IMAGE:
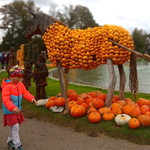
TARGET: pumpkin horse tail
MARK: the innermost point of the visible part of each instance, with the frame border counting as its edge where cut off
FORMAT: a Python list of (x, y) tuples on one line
[(133, 78)]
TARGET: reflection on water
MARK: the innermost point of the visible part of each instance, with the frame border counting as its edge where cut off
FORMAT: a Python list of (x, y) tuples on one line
[(99, 76)]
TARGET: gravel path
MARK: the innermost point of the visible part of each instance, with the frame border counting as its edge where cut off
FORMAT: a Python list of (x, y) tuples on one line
[(36, 135)]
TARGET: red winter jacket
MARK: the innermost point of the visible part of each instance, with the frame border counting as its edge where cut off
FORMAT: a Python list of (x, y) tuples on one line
[(12, 95)]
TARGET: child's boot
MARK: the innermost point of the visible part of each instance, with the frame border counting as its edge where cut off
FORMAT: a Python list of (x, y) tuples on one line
[(11, 145), (20, 148)]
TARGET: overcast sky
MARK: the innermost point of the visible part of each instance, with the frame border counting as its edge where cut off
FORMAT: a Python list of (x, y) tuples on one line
[(129, 14)]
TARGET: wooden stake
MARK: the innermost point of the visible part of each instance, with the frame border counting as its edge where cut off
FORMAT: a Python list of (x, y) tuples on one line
[(144, 56)]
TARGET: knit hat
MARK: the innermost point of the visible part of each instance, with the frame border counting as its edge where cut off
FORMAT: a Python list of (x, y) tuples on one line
[(16, 71)]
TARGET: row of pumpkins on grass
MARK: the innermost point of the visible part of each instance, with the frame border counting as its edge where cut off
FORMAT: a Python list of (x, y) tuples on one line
[(92, 104)]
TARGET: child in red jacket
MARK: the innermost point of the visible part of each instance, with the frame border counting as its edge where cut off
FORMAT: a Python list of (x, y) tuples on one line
[(12, 93)]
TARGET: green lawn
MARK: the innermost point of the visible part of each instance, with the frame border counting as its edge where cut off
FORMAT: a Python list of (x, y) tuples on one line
[(140, 135)]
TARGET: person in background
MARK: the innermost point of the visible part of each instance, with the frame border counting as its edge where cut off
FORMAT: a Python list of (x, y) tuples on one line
[(27, 75), (3, 60), (13, 90), (40, 77), (11, 59)]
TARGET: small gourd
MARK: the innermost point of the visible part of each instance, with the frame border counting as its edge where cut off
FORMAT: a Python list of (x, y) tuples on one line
[(41, 102), (122, 119)]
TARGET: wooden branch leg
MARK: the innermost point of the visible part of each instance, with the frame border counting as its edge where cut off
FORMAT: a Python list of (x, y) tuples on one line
[(133, 77), (66, 90), (63, 82), (122, 82), (112, 83)]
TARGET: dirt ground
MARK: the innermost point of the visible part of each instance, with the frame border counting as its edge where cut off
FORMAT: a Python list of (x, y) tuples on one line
[(36, 135)]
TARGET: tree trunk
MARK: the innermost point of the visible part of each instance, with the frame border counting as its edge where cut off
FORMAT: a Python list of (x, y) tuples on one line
[(122, 82), (62, 75), (112, 83)]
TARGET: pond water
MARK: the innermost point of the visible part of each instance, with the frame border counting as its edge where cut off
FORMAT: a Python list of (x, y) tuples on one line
[(99, 77)]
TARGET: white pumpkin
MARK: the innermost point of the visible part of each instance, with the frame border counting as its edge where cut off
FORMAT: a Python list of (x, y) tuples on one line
[(41, 102), (122, 119)]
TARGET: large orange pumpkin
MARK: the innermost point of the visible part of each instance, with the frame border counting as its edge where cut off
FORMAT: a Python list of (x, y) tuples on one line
[(88, 100), (144, 120), (52, 98), (104, 110), (121, 102), (84, 95), (94, 117), (147, 113), (73, 96), (144, 108), (108, 116), (135, 112), (142, 101), (134, 123), (91, 109), (116, 111), (127, 109), (95, 94), (85, 105), (60, 101), (116, 98), (116, 106), (97, 103), (102, 96), (50, 103), (127, 100), (77, 111), (80, 100), (69, 91), (71, 103)]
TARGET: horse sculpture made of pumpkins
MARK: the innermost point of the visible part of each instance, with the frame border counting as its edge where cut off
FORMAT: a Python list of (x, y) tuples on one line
[(84, 49)]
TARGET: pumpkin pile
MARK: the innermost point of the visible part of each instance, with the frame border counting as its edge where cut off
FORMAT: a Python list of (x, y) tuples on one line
[(92, 105), (86, 49)]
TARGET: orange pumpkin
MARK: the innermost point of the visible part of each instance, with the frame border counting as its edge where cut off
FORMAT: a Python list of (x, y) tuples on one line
[(102, 96), (97, 103), (60, 101), (50, 103), (147, 113), (144, 109), (135, 112), (116, 106), (127, 109), (94, 117), (77, 111), (144, 120), (80, 100), (84, 95), (121, 102), (128, 100), (71, 103), (88, 100), (115, 98), (142, 101), (52, 98), (116, 111), (134, 123), (95, 94), (69, 91), (108, 116), (104, 110), (85, 105), (91, 109), (73, 96)]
